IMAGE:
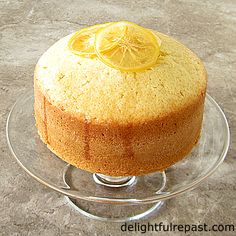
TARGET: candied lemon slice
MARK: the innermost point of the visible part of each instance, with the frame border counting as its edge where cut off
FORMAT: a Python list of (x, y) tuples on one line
[(127, 46), (82, 42)]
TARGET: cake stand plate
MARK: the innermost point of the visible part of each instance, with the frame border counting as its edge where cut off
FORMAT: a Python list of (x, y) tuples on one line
[(108, 198)]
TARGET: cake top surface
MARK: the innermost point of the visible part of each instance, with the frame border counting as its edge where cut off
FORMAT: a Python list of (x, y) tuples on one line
[(88, 87)]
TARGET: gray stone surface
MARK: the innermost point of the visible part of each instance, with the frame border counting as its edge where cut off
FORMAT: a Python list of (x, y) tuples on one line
[(29, 27)]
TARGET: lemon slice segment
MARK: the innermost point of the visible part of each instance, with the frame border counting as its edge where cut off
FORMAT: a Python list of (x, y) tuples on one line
[(127, 46), (82, 42)]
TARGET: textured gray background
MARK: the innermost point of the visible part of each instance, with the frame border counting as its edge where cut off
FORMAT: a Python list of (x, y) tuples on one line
[(28, 28)]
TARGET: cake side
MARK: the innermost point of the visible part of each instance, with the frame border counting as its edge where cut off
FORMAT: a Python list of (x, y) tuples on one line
[(119, 149)]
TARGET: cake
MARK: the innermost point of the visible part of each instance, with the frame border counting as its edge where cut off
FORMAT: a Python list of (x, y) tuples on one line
[(118, 123)]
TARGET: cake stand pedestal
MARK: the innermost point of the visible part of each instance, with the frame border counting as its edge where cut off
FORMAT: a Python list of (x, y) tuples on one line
[(108, 198)]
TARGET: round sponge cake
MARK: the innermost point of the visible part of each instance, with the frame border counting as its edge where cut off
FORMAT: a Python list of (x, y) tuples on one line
[(120, 123)]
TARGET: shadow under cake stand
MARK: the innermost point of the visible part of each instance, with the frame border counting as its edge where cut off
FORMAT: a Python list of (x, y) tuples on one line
[(108, 198)]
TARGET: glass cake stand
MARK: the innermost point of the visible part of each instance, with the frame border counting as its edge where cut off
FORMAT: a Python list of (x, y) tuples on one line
[(116, 199)]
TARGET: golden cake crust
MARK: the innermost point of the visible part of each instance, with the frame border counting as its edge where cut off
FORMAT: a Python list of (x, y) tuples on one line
[(124, 143), (114, 149)]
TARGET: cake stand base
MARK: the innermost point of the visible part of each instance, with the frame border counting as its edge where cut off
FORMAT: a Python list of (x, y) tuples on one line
[(109, 212), (106, 212)]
